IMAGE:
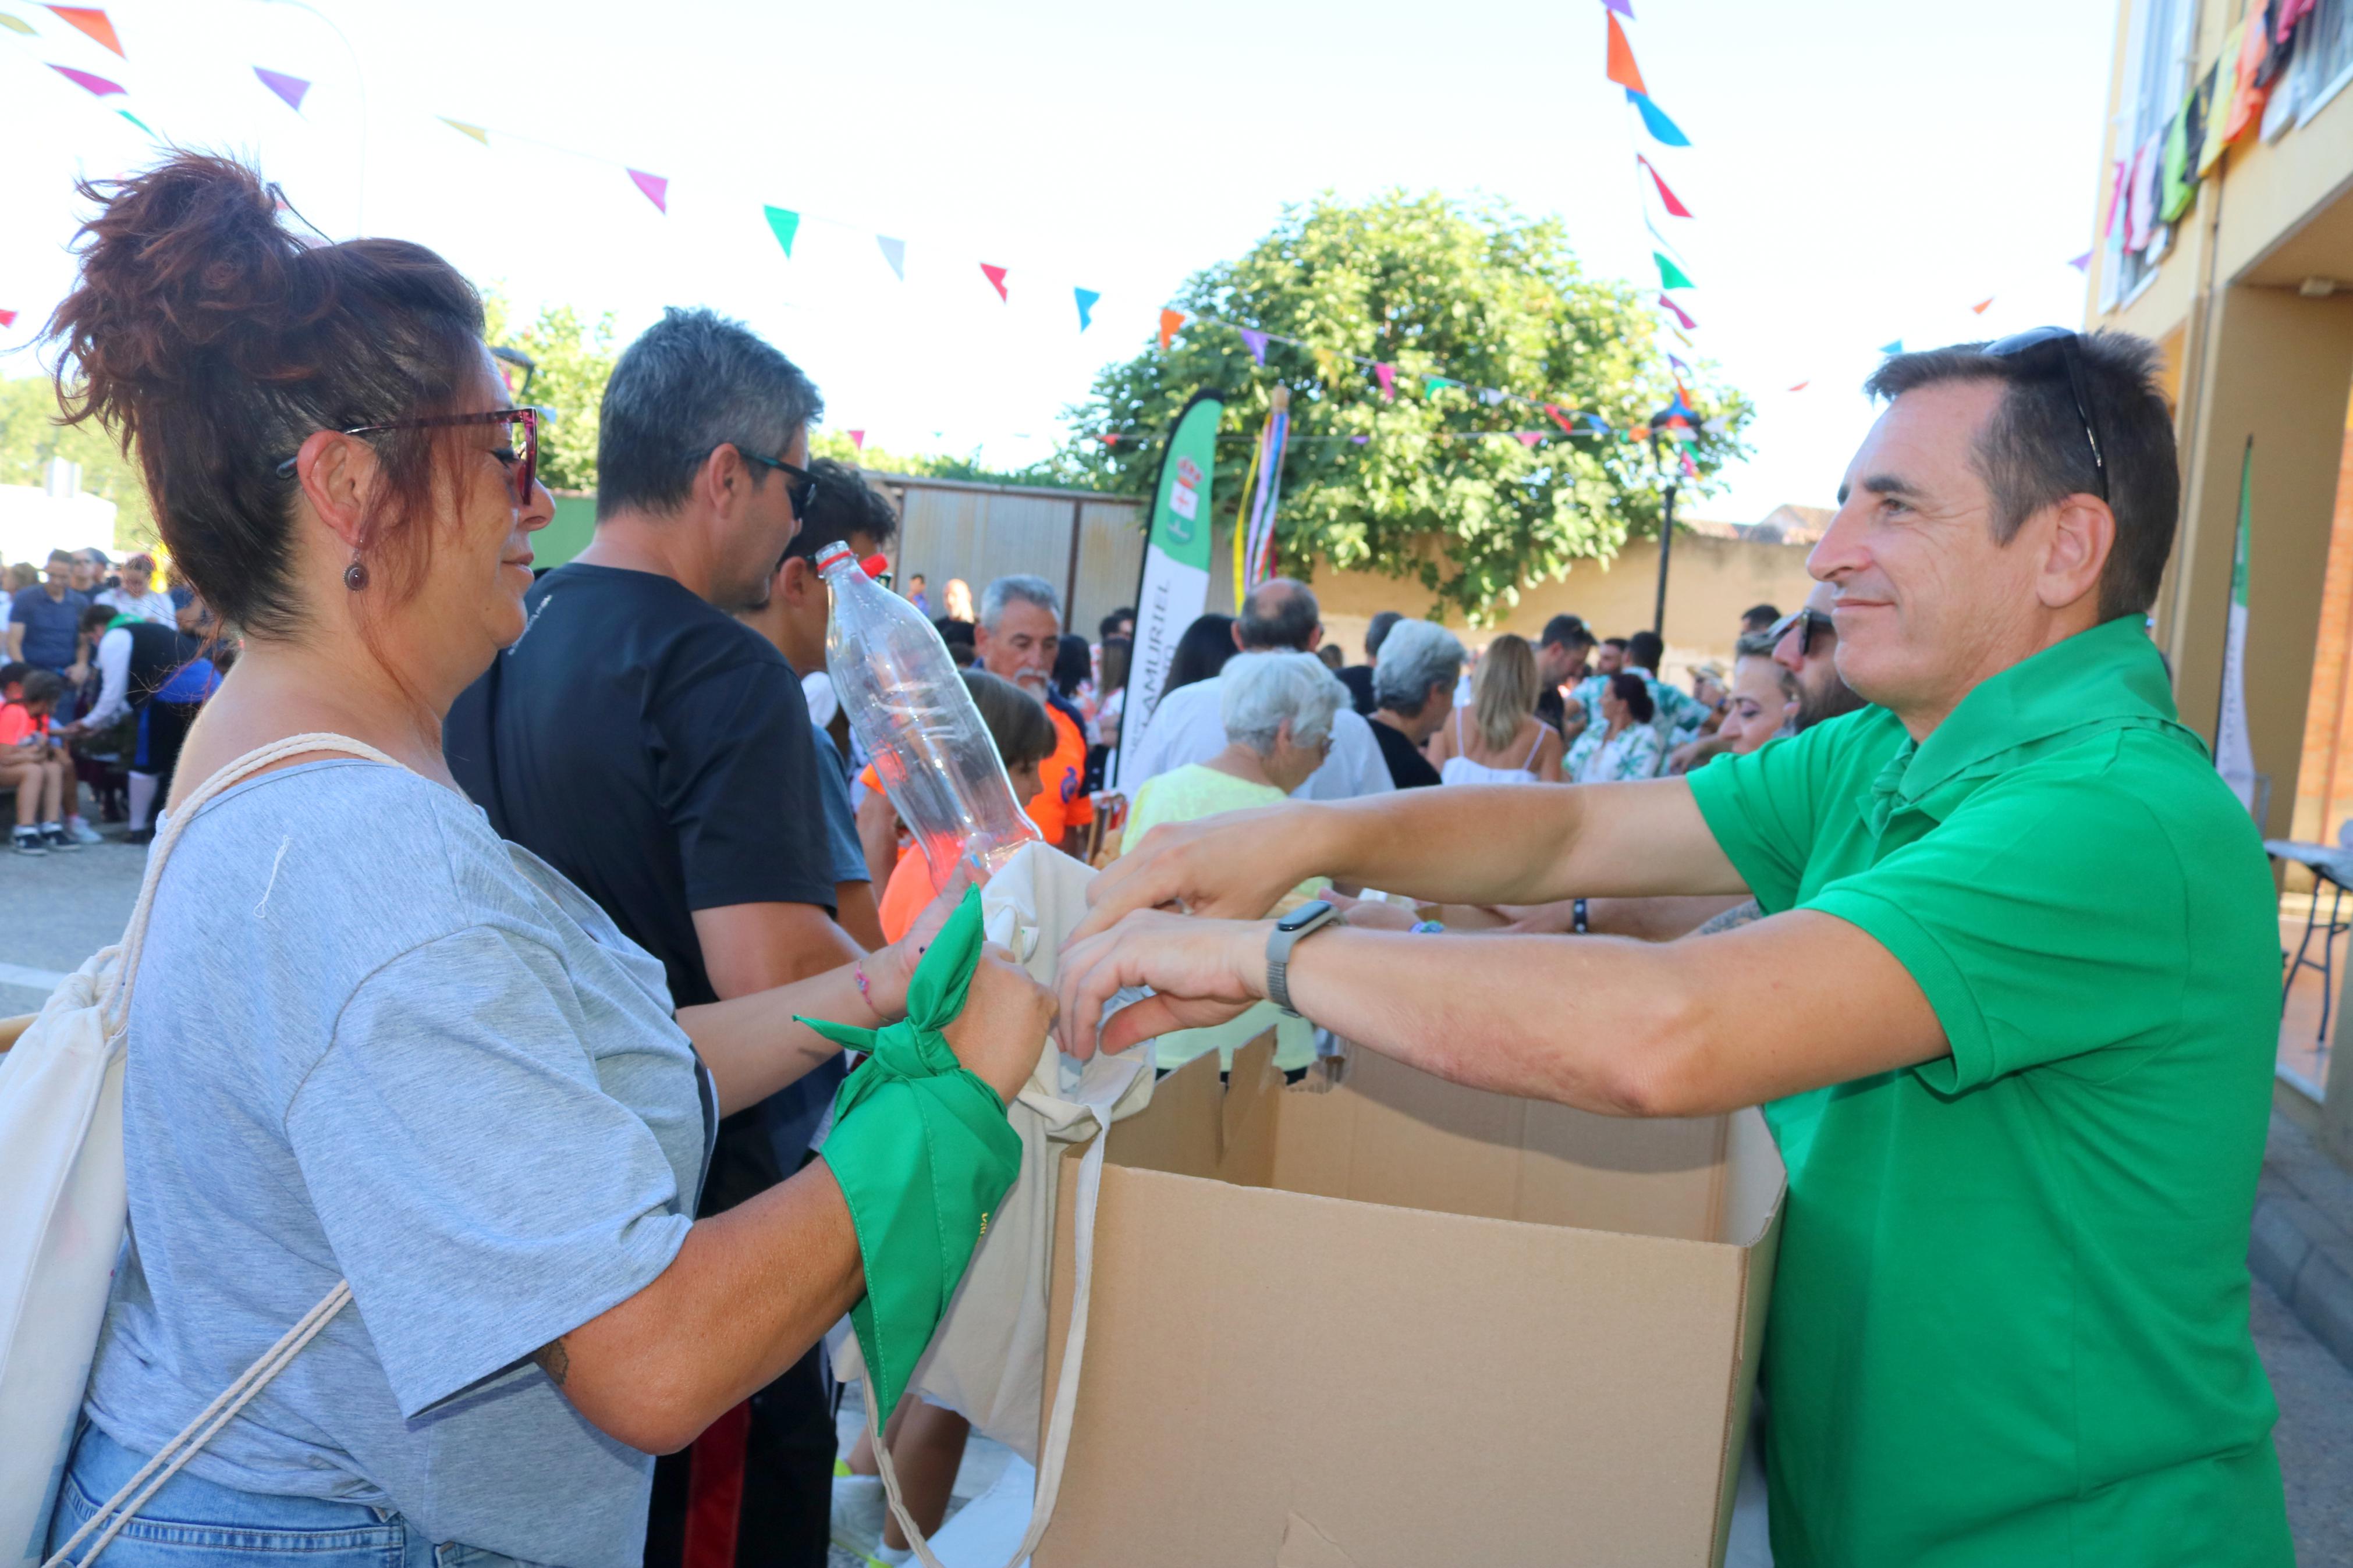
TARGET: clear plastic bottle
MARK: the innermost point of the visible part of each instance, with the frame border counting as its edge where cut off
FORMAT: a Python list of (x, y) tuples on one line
[(914, 716)]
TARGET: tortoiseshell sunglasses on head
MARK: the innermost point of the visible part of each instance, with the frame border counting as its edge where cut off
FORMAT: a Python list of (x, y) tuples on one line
[(521, 455)]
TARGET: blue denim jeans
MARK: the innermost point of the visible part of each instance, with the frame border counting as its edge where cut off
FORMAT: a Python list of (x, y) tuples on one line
[(191, 1523)]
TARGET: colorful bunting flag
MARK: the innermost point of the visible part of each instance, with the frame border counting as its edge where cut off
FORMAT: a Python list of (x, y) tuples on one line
[(1560, 419), (895, 251), (1171, 321), (2082, 263), (139, 122), (1691, 469), (1086, 299), (1490, 395), (17, 24), (1718, 425), (1676, 360), (1327, 364), (1621, 68), (1596, 425), (1385, 374), (657, 189), (1980, 307), (1256, 342), (995, 275), (858, 442), (1666, 197), (91, 20), (290, 88), (1687, 322), (1529, 438), (462, 129), (1892, 348), (7, 318), (1637, 433), (784, 226), (95, 84), (1801, 387), (1430, 384), (1663, 130), (1623, 8), (1670, 274)]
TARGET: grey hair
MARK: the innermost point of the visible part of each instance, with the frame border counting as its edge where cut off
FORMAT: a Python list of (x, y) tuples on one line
[(1257, 691), (1281, 612), (1027, 589), (1415, 657), (693, 382)]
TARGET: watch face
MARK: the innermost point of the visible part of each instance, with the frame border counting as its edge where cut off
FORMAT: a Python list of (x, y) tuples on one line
[(1303, 914)]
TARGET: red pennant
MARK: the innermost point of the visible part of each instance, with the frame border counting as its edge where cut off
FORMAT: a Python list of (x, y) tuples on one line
[(1622, 69), (97, 84), (91, 20), (1674, 208), (995, 275), (1109, 440), (7, 318), (657, 189), (1170, 321), (1560, 419), (1688, 324)]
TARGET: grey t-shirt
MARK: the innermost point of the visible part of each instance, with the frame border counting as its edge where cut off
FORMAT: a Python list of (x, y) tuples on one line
[(371, 1040)]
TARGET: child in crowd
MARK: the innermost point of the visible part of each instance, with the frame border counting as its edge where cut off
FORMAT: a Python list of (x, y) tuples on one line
[(33, 761)]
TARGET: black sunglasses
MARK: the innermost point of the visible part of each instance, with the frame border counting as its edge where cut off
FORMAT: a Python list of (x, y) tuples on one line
[(1812, 620), (799, 492), (2064, 345)]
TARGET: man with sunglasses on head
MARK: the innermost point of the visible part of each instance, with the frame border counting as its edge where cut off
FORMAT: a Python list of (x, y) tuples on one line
[(657, 751), (2022, 947)]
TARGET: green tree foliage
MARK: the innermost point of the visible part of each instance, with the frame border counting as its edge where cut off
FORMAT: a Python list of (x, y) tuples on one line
[(30, 437), (1435, 287), (575, 359), (1049, 473)]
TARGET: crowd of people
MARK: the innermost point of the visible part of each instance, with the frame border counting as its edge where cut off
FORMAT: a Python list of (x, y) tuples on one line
[(535, 882)]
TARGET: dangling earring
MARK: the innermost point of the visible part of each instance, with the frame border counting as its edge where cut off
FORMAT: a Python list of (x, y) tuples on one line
[(355, 574)]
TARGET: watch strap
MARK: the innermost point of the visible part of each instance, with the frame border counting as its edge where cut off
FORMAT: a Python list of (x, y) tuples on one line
[(1285, 936)]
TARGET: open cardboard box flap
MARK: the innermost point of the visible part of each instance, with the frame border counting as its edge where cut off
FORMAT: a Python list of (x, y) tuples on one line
[(1392, 1320)]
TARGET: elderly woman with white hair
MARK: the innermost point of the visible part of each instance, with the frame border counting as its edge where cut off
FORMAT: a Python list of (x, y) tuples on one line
[(1413, 689), (1278, 709)]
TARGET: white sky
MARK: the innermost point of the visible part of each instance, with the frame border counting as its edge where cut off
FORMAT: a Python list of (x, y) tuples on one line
[(1862, 170)]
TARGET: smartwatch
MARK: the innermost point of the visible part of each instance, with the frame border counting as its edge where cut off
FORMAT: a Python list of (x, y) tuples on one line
[(1288, 932), (1578, 911)]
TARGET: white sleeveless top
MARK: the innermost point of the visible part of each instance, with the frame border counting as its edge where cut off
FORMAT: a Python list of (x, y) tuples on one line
[(1462, 769)]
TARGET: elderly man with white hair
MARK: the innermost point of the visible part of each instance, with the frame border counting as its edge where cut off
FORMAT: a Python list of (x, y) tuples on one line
[(1278, 709), (1413, 692)]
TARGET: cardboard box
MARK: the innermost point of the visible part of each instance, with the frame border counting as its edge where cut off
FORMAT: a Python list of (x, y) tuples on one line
[(1391, 1322)]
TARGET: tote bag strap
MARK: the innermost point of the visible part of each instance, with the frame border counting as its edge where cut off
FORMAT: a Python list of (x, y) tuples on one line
[(134, 935), (1057, 1444), (125, 1504)]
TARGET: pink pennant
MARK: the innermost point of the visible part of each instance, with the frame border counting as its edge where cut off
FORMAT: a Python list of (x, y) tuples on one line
[(290, 88), (7, 318), (1691, 469), (1385, 374), (858, 442), (657, 189), (97, 84), (1529, 438), (995, 275), (1688, 324), (1674, 208)]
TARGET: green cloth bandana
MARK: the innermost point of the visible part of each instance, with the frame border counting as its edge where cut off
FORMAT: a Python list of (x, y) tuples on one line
[(924, 1154)]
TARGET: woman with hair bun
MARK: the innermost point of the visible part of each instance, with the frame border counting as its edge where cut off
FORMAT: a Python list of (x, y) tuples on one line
[(369, 1041)]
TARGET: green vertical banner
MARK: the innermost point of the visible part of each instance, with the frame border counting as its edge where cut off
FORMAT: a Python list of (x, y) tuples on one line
[(2234, 753), (1175, 588)]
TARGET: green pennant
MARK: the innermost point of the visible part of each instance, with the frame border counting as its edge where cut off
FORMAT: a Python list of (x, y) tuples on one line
[(1670, 274), (786, 224)]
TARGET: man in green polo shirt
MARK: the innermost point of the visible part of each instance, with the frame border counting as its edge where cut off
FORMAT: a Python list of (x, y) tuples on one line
[(2019, 972)]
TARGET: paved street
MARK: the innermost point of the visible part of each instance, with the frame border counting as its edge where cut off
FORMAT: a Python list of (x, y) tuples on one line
[(56, 912)]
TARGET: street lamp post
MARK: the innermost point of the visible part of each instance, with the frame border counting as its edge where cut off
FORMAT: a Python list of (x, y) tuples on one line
[(359, 78), (1666, 543)]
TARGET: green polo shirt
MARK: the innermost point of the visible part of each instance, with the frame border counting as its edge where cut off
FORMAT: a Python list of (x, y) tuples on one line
[(2010, 1322)]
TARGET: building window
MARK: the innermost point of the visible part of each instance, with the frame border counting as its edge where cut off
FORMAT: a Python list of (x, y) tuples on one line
[(2325, 54), (2157, 79)]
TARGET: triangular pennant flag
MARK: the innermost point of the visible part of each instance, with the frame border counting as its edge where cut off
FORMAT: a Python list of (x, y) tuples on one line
[(1255, 342), (2082, 263), (1086, 299), (1637, 433), (1663, 130), (657, 189), (1385, 374), (1980, 307), (1623, 8), (97, 84), (1109, 440), (784, 226), (1670, 274), (1715, 426), (17, 24), (1686, 343), (1430, 384), (1687, 322), (1666, 197), (1171, 321), (1691, 469), (895, 251), (858, 442), (1892, 348), (7, 318), (1327, 364), (995, 275), (462, 129), (1621, 69), (1676, 360), (1560, 419), (139, 122), (1529, 438), (1801, 387), (91, 20), (290, 88), (1490, 396), (1596, 425)]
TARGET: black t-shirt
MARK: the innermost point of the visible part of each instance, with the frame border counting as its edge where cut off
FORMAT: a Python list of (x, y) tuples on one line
[(654, 749), (1358, 679), (1409, 769)]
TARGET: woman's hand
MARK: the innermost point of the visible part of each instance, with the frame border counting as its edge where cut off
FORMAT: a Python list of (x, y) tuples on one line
[(1201, 972), (1234, 866), (1002, 1030)]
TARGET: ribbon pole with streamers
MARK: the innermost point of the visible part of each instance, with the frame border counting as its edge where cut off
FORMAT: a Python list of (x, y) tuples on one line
[(1257, 564)]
